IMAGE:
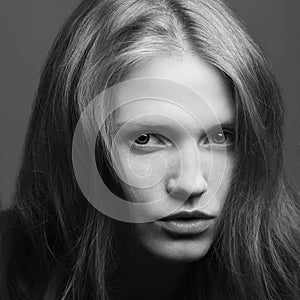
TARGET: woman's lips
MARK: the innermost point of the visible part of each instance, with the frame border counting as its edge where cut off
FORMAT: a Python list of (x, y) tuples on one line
[(186, 226)]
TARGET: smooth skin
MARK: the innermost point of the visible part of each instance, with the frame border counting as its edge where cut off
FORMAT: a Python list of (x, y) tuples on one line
[(148, 155)]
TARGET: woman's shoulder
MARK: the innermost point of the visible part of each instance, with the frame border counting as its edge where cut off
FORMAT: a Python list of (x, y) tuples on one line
[(8, 220), (9, 232), (7, 225)]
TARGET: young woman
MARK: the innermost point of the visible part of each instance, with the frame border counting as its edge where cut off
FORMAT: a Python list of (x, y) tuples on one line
[(210, 151)]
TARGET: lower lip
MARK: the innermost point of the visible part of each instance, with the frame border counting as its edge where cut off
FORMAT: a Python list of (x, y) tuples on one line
[(186, 226)]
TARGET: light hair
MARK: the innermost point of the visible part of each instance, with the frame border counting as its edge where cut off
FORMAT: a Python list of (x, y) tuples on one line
[(256, 252)]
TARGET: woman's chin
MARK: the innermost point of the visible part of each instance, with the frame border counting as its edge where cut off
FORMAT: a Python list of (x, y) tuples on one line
[(181, 249)]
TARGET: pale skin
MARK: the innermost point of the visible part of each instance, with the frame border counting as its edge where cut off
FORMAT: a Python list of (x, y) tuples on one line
[(153, 266)]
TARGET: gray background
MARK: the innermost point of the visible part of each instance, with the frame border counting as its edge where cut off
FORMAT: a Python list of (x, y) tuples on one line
[(28, 29)]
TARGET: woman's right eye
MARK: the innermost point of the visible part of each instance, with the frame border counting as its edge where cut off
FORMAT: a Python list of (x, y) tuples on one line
[(147, 140), (143, 139)]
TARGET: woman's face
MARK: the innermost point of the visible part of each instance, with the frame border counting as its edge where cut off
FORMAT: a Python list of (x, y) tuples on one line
[(178, 151)]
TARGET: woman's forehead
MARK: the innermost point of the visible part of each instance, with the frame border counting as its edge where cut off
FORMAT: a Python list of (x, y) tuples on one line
[(185, 89)]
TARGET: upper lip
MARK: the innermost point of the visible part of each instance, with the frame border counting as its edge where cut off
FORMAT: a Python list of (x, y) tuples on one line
[(188, 215)]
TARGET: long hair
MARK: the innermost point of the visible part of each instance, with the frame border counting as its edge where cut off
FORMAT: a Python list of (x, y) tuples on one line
[(55, 245)]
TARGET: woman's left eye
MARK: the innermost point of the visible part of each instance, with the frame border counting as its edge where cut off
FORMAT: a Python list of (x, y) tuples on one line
[(225, 137), (151, 141)]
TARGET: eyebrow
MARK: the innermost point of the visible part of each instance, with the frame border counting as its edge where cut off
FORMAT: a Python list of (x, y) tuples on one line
[(148, 125)]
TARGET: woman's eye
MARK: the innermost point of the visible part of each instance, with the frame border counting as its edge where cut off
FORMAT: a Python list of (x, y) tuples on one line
[(143, 139), (151, 141), (225, 138), (147, 139)]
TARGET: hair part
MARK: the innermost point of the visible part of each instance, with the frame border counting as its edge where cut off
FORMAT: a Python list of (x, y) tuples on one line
[(68, 249)]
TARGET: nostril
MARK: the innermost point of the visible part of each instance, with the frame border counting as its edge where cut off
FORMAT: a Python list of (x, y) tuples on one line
[(186, 188)]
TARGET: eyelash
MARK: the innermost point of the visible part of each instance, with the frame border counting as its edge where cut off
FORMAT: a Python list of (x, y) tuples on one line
[(225, 132)]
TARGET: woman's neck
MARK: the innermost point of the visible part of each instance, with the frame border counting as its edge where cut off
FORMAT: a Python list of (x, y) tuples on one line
[(141, 275)]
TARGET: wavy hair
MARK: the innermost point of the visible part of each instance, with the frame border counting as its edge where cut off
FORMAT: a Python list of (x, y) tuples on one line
[(55, 245)]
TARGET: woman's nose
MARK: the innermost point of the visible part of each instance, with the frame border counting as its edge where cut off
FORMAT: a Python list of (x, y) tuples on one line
[(189, 176)]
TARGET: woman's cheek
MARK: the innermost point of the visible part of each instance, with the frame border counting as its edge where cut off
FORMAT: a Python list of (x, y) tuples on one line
[(143, 171), (220, 180)]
